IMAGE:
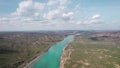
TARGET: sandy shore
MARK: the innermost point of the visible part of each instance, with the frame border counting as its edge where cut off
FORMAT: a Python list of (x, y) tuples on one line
[(66, 55), (35, 59), (29, 65)]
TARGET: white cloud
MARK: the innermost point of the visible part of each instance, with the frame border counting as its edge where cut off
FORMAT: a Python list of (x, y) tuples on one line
[(64, 2), (58, 2), (52, 2), (39, 6), (97, 16), (53, 14), (67, 16), (29, 11), (94, 19), (23, 8), (59, 11), (7, 20), (79, 23), (29, 8)]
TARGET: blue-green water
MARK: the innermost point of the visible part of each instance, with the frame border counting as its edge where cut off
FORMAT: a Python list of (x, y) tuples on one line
[(51, 59)]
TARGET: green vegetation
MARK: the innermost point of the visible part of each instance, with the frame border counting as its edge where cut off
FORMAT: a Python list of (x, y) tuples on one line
[(85, 52), (16, 49)]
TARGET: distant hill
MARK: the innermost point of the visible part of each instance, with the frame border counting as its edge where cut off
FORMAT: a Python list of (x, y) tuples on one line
[(113, 35)]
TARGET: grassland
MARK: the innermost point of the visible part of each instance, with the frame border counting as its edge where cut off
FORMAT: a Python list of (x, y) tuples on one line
[(17, 49), (86, 52)]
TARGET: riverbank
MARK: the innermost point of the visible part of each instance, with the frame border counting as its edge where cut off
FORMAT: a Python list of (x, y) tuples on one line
[(66, 55), (29, 64)]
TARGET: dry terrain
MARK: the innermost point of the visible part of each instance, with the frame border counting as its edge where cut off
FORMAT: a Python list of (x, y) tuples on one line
[(93, 51)]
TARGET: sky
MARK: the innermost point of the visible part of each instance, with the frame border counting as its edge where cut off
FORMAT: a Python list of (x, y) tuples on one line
[(30, 15)]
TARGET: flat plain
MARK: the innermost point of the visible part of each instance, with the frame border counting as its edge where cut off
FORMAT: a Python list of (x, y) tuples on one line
[(93, 51)]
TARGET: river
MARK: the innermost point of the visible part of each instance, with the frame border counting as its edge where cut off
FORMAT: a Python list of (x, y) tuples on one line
[(51, 59)]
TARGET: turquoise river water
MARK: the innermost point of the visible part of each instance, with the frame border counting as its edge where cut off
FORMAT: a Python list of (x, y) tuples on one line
[(51, 59)]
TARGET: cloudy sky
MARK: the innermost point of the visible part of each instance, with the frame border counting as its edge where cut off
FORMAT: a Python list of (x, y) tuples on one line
[(23, 15)]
